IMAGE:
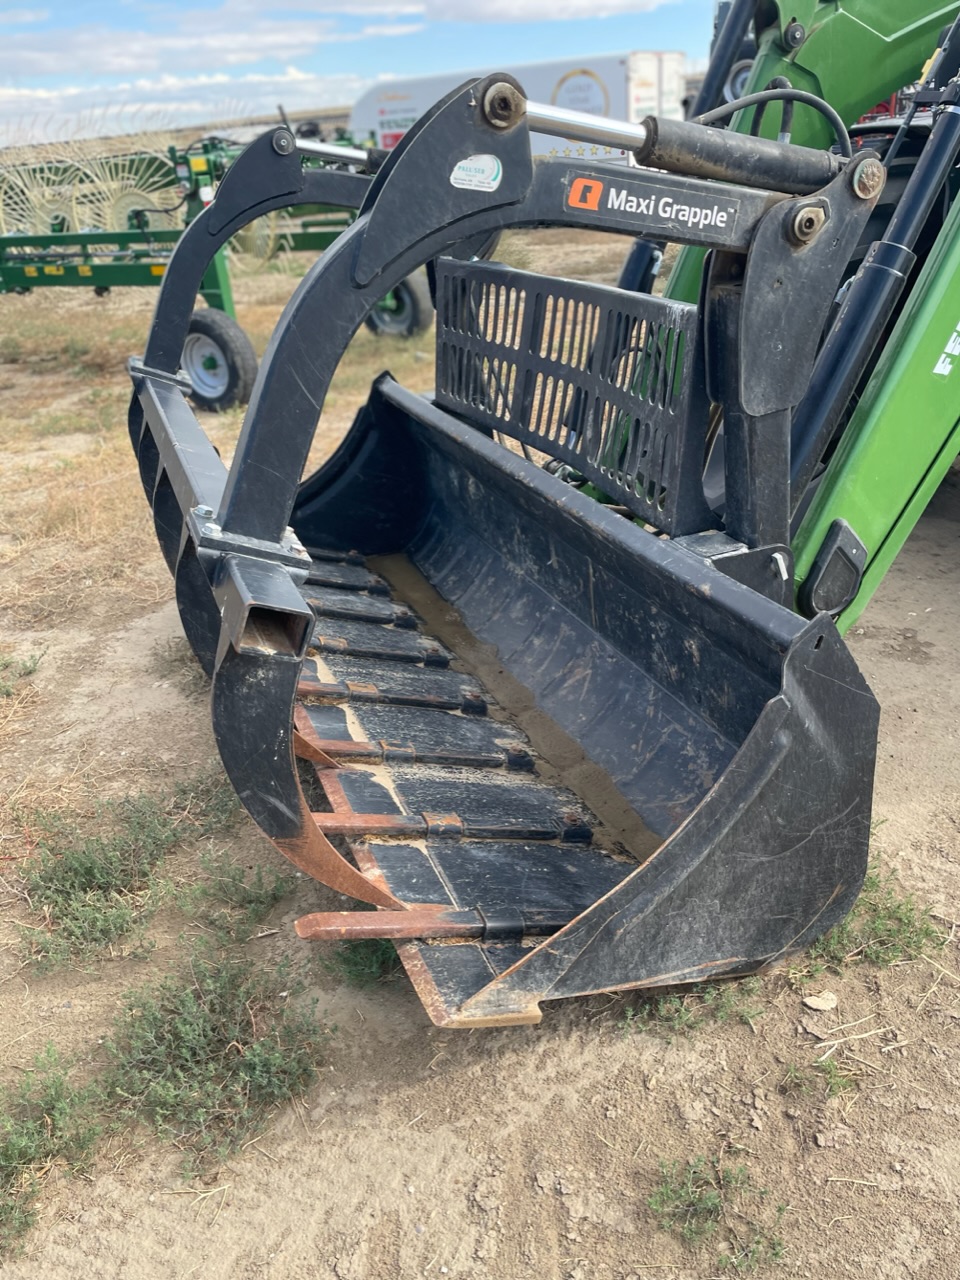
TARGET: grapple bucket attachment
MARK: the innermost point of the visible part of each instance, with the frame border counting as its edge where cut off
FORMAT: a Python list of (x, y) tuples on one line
[(562, 745)]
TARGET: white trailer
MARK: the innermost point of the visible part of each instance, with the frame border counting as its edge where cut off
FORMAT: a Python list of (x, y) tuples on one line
[(624, 86)]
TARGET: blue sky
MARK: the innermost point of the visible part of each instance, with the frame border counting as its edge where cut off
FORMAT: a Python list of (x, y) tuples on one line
[(67, 63)]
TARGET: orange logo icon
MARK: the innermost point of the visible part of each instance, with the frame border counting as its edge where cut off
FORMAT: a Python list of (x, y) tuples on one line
[(585, 193)]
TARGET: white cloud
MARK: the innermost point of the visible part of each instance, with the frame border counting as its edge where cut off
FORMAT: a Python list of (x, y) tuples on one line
[(162, 102), (460, 10), (21, 17), (100, 51), (335, 8), (237, 50), (534, 10), (239, 33)]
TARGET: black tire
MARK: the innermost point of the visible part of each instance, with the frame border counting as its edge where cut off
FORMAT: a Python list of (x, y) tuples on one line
[(412, 312), (219, 361)]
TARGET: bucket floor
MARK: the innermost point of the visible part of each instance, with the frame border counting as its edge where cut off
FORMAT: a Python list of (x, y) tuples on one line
[(437, 793)]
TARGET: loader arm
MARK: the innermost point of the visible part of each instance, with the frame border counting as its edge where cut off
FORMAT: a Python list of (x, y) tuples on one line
[(876, 486), (904, 434), (851, 53)]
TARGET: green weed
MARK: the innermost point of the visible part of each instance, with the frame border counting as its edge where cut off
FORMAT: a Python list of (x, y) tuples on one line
[(702, 1198), (232, 902), (75, 348), (796, 1080), (207, 803), (11, 349), (362, 963), (173, 659), (202, 1057), (689, 1197), (45, 1122), (751, 1251), (14, 669), (885, 926), (92, 889), (837, 1078), (96, 414), (93, 883), (686, 1010)]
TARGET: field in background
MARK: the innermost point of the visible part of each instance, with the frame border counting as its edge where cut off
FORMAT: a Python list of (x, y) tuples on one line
[(787, 1139)]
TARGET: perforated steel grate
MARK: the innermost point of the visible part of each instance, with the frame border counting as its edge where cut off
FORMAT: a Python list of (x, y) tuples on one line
[(607, 381)]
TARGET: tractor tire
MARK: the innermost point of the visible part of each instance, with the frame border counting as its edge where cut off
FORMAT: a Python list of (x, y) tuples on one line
[(219, 361), (412, 312)]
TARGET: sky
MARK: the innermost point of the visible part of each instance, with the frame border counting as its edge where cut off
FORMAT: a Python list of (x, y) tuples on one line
[(71, 67)]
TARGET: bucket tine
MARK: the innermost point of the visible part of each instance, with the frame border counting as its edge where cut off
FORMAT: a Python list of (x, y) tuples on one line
[(258, 748)]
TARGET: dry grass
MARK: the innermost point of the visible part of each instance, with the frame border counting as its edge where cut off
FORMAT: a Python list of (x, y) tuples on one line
[(78, 551), (75, 534), (15, 711)]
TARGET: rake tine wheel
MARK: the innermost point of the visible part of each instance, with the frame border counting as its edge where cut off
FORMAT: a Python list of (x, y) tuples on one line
[(717, 816)]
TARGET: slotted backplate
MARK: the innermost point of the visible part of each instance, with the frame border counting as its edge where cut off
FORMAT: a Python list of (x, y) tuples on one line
[(610, 382)]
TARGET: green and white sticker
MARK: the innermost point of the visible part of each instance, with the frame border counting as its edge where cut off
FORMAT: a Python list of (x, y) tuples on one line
[(477, 173)]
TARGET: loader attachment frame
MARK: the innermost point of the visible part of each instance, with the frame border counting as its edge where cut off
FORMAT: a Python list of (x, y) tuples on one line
[(709, 813), (873, 491)]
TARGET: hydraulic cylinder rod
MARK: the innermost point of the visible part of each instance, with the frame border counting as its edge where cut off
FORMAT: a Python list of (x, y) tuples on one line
[(331, 151), (873, 294), (579, 126), (726, 50)]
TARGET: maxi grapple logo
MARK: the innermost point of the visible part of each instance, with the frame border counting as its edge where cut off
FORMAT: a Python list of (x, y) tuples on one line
[(585, 193), (640, 204)]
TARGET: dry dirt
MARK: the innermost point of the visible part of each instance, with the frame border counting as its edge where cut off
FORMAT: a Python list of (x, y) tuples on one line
[(423, 1152)]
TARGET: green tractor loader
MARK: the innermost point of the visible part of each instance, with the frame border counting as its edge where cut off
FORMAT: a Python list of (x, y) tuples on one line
[(545, 670)]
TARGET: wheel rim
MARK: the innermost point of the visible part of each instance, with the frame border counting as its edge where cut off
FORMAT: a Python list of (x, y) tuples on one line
[(394, 319), (204, 365)]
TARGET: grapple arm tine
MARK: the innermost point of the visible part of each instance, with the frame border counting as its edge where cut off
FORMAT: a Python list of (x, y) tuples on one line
[(253, 694)]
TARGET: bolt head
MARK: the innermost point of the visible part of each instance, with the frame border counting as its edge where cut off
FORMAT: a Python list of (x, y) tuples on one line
[(794, 35), (204, 513), (807, 223), (503, 105), (283, 142), (869, 178)]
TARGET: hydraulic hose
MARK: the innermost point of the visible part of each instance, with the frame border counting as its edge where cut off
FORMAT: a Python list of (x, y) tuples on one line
[(786, 121), (783, 95), (868, 306)]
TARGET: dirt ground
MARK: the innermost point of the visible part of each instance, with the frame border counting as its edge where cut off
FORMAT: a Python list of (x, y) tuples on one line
[(423, 1152)]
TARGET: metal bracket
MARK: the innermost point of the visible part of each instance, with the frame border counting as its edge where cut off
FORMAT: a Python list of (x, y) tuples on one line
[(767, 570), (208, 537), (262, 612), (837, 572)]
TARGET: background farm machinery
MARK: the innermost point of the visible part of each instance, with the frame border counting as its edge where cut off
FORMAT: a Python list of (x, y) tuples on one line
[(88, 219)]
